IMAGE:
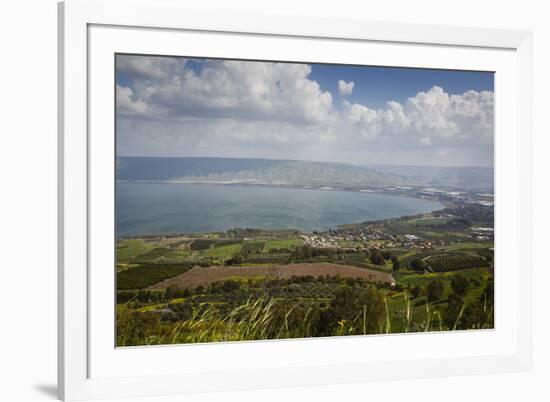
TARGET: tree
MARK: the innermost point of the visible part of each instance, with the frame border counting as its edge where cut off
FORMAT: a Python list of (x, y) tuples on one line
[(172, 292), (489, 293), (230, 286), (418, 265), (376, 257), (460, 285), (435, 290), (455, 305), (476, 316), (396, 263), (354, 311), (183, 311), (235, 260), (416, 291)]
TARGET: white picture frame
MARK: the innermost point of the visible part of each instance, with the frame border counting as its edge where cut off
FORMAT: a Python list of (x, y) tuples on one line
[(89, 367)]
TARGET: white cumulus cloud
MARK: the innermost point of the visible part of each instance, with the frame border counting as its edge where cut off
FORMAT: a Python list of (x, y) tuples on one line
[(345, 88), (173, 106)]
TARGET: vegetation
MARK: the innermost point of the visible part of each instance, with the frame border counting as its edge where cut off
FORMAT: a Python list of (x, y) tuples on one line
[(148, 274), (296, 307), (202, 244), (430, 272), (453, 263), (251, 247)]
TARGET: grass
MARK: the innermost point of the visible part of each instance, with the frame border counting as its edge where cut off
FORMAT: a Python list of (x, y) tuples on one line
[(153, 254), (226, 242), (224, 250), (422, 280), (464, 246), (435, 221), (289, 243), (131, 248), (272, 318), (202, 244), (348, 243), (175, 256), (251, 247), (146, 275)]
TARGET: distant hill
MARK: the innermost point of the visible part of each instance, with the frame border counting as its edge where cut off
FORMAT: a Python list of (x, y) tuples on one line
[(292, 172), (260, 171), (472, 178)]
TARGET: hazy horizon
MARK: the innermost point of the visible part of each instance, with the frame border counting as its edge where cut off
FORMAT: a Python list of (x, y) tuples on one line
[(357, 115), (307, 160)]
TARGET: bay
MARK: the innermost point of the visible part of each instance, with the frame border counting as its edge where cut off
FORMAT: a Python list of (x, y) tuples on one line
[(163, 208)]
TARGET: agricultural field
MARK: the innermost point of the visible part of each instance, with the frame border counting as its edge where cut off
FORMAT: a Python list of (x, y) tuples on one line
[(131, 248), (223, 249), (252, 247), (288, 243), (145, 275), (445, 263), (423, 273), (204, 276), (202, 244)]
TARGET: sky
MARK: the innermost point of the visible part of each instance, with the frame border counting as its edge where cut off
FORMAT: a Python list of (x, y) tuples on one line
[(363, 115)]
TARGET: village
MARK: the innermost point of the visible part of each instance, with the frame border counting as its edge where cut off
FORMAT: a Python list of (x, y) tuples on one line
[(363, 239)]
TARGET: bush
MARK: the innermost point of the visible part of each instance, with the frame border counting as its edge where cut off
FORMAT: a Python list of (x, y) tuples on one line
[(376, 257), (416, 291), (395, 262), (354, 311), (418, 265), (455, 304), (435, 290), (460, 285)]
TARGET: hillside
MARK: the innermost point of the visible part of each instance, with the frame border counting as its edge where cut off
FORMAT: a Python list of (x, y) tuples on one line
[(472, 178), (298, 173), (258, 171)]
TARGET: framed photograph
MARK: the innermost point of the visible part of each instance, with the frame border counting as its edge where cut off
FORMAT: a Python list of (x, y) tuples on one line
[(254, 201)]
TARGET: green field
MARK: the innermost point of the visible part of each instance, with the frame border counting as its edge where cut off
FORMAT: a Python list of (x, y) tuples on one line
[(288, 243), (146, 275), (202, 244), (153, 254), (224, 251), (251, 247), (179, 255), (129, 249), (446, 263), (436, 221)]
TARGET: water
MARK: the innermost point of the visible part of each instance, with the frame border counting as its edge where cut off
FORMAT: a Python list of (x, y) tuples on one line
[(151, 208)]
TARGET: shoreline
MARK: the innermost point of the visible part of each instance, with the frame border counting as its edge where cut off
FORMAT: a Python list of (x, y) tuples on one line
[(408, 192)]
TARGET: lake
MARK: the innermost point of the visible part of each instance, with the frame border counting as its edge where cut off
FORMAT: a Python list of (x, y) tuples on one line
[(153, 208)]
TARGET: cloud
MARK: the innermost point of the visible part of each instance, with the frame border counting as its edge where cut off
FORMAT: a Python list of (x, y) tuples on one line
[(426, 141), (431, 114), (126, 104), (230, 89), (149, 67), (345, 88), (180, 107)]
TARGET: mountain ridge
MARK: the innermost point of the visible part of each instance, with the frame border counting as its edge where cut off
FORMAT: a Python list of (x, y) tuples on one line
[(292, 173)]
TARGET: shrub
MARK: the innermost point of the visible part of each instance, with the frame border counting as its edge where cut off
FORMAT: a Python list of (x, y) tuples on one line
[(435, 290), (460, 285)]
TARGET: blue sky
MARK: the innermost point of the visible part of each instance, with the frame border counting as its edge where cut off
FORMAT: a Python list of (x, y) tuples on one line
[(170, 106), (374, 86)]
